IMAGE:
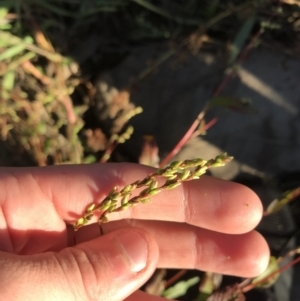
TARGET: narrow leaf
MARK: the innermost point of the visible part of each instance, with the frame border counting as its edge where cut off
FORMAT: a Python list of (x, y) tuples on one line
[(241, 38), (20, 60), (180, 288), (286, 198), (8, 81), (272, 267), (3, 12), (210, 282), (237, 104), (12, 51), (90, 159)]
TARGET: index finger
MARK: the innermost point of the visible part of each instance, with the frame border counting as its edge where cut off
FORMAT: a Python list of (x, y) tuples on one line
[(208, 202)]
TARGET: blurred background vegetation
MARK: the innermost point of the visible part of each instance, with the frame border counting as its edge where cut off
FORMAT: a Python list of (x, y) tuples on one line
[(51, 52)]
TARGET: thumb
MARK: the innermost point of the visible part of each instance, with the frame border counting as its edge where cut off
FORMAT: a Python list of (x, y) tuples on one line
[(110, 267)]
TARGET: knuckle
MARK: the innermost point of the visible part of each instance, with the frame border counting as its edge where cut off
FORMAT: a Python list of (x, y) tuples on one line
[(81, 271)]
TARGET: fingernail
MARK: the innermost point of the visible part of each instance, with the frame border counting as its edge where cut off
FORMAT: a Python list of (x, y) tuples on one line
[(134, 248)]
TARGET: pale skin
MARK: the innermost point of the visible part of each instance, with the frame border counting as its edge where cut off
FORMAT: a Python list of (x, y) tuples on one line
[(204, 224)]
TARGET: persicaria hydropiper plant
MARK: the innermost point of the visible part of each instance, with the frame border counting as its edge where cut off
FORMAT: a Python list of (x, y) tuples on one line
[(174, 174)]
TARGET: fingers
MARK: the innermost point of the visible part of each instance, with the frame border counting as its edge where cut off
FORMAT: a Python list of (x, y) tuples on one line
[(184, 246), (210, 203), (107, 268)]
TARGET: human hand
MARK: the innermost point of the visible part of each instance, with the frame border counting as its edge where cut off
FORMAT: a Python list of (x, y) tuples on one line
[(203, 224)]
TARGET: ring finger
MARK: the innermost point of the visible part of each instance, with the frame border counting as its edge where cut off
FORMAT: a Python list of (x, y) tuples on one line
[(185, 246)]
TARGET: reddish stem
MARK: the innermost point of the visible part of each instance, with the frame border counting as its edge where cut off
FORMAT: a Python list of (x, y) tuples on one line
[(176, 277), (241, 58), (109, 149), (295, 194), (285, 267), (67, 103), (205, 127), (219, 89), (181, 143)]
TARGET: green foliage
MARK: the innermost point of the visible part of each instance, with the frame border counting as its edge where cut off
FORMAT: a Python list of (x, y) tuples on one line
[(239, 105), (241, 38), (174, 174), (283, 200), (180, 288), (268, 278)]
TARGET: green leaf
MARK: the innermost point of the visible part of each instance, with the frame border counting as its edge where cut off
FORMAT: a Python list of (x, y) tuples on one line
[(286, 198), (237, 104), (9, 39), (180, 288), (3, 12), (272, 267), (16, 62), (89, 159), (276, 205), (241, 38), (12, 51), (4, 23), (210, 282), (28, 39), (8, 80), (5, 26)]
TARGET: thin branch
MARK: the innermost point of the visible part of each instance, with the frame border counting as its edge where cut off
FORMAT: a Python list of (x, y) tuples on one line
[(176, 277), (184, 139), (222, 85), (285, 267)]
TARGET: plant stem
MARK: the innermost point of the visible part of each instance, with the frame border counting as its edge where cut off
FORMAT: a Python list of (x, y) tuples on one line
[(184, 139), (174, 174), (285, 267), (222, 85)]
